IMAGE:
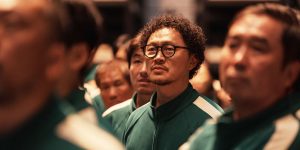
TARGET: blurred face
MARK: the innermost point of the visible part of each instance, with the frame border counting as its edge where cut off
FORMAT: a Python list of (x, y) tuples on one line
[(114, 87), (251, 70), (24, 39), (138, 74), (163, 71)]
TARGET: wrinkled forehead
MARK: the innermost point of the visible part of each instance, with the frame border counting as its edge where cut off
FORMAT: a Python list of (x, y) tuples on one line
[(257, 25)]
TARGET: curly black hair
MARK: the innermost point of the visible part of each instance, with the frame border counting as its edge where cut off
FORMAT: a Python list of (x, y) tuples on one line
[(192, 34)]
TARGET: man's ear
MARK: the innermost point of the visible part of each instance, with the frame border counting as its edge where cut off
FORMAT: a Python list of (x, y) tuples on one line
[(78, 56), (55, 61), (192, 62), (291, 73)]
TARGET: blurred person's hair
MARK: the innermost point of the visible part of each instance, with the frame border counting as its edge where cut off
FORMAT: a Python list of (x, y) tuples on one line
[(55, 14), (85, 26), (134, 45), (120, 40), (192, 34), (115, 64)]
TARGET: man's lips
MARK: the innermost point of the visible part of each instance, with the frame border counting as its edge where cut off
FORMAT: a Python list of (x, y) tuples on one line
[(143, 80), (236, 79), (156, 67)]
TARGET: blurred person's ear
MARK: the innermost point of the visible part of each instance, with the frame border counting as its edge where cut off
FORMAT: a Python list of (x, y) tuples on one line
[(291, 73), (54, 59), (78, 56), (193, 62)]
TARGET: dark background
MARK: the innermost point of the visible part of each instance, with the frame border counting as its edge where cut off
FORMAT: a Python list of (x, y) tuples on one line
[(126, 16)]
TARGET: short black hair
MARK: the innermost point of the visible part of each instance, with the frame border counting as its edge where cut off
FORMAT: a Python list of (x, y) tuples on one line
[(192, 35), (134, 45), (85, 23)]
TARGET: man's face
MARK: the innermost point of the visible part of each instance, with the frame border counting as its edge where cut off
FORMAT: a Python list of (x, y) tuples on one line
[(163, 71), (114, 87), (138, 74), (251, 70), (23, 43)]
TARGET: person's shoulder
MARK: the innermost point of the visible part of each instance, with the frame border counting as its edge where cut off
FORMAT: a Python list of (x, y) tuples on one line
[(138, 113), (203, 137), (118, 108), (74, 127), (208, 106)]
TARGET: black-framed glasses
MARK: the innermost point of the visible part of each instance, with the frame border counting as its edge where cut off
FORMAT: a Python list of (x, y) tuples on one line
[(167, 50)]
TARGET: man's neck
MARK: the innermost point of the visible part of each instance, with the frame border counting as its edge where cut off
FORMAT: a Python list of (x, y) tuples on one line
[(252, 108), (142, 99), (168, 92)]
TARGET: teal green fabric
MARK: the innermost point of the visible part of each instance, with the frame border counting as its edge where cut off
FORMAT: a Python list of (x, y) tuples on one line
[(39, 133), (98, 104), (251, 133), (165, 127), (119, 117), (90, 73), (77, 100)]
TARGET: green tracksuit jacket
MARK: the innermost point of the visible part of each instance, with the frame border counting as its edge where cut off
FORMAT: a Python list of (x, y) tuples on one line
[(78, 102), (275, 128), (118, 115), (40, 133), (169, 125)]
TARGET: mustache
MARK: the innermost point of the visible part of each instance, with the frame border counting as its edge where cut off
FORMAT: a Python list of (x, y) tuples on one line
[(158, 67)]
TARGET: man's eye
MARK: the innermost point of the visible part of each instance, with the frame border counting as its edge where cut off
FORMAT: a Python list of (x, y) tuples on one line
[(14, 24), (118, 83), (151, 49), (137, 61), (232, 45), (259, 48), (104, 87), (169, 48)]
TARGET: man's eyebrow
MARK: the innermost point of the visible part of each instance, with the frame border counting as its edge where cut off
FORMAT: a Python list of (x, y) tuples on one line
[(233, 37), (161, 43), (259, 40), (6, 13), (251, 39)]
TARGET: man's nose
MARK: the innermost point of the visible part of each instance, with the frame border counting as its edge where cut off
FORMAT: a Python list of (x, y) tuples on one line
[(112, 93), (240, 58), (143, 71), (159, 58)]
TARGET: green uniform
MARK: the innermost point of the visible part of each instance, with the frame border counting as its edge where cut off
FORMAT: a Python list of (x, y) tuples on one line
[(78, 102), (275, 128), (98, 105), (169, 125), (39, 133), (97, 101), (118, 115), (90, 73)]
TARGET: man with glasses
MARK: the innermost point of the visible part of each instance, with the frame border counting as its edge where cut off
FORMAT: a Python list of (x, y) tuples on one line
[(174, 50)]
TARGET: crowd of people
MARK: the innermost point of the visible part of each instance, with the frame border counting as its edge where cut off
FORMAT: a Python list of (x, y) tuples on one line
[(163, 89)]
